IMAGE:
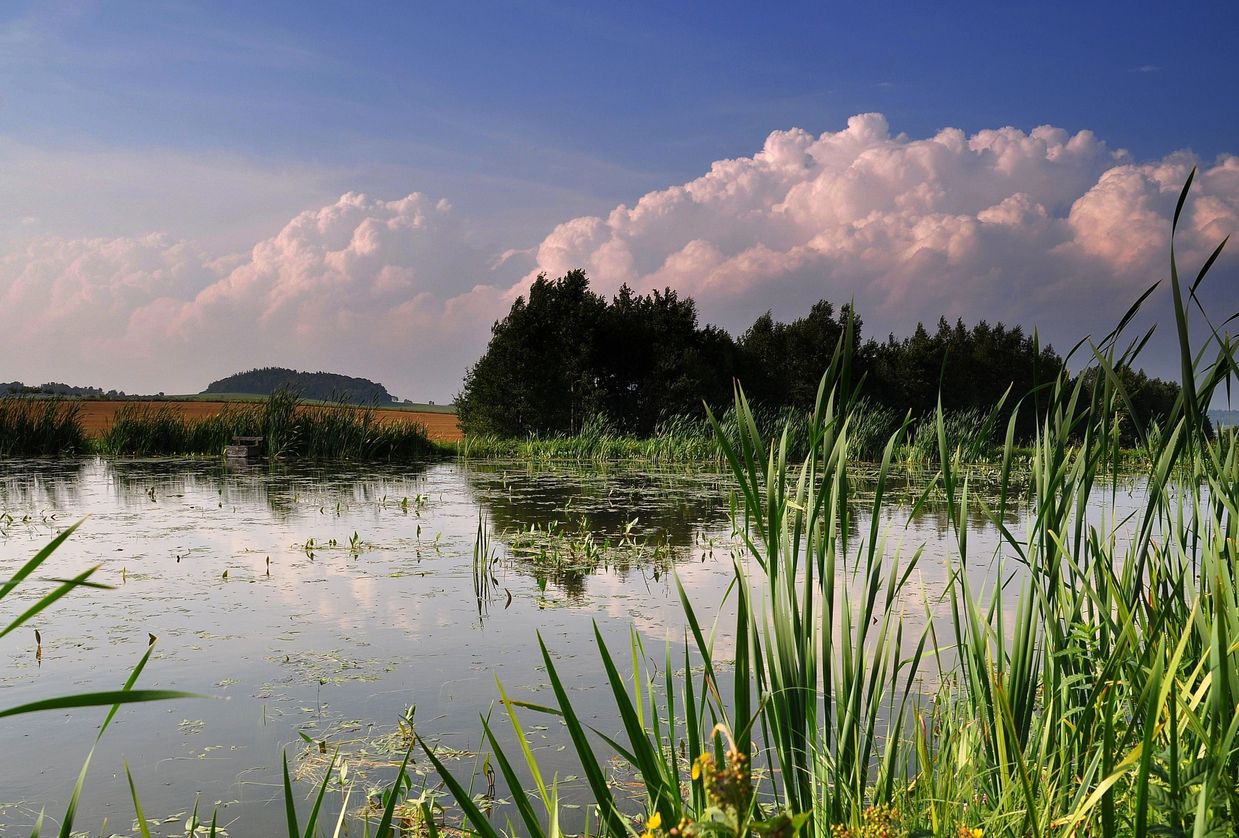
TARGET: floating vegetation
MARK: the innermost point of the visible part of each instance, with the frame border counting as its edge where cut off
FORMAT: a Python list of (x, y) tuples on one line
[(558, 547), (333, 667)]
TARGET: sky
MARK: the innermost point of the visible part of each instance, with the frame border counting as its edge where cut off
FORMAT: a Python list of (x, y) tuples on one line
[(189, 189)]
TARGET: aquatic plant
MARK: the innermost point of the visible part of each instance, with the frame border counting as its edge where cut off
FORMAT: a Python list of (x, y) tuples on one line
[(1091, 689), (686, 439)]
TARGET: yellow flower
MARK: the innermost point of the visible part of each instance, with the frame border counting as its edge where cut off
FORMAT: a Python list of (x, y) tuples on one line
[(653, 822)]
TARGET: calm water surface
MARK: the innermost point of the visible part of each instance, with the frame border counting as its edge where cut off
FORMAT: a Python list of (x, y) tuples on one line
[(330, 601)]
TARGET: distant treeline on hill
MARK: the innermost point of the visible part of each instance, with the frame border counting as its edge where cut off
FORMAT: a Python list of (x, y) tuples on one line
[(565, 354), (54, 388), (327, 386)]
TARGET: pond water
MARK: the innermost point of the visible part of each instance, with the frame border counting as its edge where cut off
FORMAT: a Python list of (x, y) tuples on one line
[(330, 601)]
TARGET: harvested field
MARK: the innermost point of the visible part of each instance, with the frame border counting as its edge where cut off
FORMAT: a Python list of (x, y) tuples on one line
[(97, 415)]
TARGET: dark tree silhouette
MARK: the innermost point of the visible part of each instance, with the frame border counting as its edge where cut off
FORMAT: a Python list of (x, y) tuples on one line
[(566, 354), (327, 386)]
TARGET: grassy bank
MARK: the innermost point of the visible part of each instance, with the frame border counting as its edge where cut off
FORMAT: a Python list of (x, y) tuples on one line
[(290, 429), (40, 428), (317, 430), (979, 436)]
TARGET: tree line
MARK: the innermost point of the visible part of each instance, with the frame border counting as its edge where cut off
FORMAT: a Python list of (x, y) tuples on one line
[(564, 354)]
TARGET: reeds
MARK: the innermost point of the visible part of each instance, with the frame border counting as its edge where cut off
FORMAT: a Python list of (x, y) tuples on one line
[(289, 429), (1089, 688), (686, 439), (34, 427)]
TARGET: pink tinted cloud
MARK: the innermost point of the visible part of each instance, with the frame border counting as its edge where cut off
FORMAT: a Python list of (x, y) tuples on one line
[(1043, 227), (988, 225)]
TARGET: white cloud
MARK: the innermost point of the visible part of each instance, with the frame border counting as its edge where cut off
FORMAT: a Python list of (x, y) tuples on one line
[(1041, 227), (1044, 227), (384, 289)]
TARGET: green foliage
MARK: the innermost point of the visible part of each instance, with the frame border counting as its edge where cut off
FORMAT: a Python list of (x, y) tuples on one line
[(967, 369), (55, 388), (567, 354), (782, 363), (682, 439), (566, 364)]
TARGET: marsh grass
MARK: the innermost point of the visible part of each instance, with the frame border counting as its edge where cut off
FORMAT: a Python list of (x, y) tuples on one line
[(1090, 688), (290, 430), (685, 439), (32, 427)]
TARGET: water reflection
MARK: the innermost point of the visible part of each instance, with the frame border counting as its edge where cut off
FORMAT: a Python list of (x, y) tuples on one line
[(28, 486), (669, 506), (278, 487), (320, 599)]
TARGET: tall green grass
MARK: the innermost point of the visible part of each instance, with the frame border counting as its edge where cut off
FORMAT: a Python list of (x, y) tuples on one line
[(40, 428), (1088, 687), (289, 429), (685, 439)]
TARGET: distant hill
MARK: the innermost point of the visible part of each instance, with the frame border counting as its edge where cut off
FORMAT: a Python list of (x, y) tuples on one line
[(1224, 418), (327, 386)]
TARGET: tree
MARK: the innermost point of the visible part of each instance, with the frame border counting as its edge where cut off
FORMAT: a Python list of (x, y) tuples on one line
[(784, 362), (566, 354), (536, 375), (653, 361), (966, 368), (327, 386)]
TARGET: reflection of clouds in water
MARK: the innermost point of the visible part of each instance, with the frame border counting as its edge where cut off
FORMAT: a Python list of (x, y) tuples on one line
[(42, 485), (409, 603)]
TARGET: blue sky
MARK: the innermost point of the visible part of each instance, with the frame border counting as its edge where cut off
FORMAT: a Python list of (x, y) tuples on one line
[(217, 123)]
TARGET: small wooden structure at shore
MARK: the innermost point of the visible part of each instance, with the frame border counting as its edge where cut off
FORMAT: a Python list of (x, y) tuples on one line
[(244, 448)]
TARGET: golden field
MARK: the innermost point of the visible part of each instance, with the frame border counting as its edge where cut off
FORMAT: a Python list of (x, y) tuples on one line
[(97, 415)]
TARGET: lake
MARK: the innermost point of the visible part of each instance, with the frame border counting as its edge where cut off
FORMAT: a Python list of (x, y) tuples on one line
[(328, 601)]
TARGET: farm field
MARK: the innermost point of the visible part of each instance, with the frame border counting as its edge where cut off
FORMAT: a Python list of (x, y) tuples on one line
[(97, 415)]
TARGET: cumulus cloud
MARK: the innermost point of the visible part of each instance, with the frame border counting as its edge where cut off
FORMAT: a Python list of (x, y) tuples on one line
[(386, 289), (1042, 227), (1024, 227)]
